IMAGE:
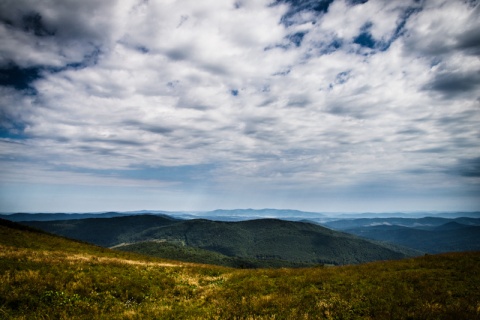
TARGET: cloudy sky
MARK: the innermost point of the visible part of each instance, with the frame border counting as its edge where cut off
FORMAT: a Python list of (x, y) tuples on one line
[(340, 105)]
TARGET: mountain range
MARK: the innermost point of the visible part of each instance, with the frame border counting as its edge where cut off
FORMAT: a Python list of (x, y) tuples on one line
[(257, 238), (240, 215), (430, 235), (261, 242)]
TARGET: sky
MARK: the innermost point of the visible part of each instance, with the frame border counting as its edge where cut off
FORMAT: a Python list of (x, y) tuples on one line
[(325, 106)]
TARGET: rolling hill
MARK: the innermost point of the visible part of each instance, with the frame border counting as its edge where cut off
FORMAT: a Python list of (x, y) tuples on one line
[(267, 240), (448, 237), (416, 223), (105, 232), (218, 215), (43, 276), (427, 234)]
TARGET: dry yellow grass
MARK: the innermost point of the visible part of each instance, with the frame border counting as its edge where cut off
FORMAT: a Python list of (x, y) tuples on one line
[(53, 256)]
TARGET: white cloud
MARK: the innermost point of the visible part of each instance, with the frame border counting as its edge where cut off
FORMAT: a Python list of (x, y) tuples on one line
[(442, 27), (174, 83)]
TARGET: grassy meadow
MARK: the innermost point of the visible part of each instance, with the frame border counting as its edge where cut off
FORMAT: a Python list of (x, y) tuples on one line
[(49, 277)]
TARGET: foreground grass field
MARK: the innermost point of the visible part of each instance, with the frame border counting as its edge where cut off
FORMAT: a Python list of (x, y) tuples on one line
[(48, 277)]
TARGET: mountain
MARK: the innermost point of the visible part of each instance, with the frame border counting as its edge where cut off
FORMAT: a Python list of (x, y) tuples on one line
[(18, 217), (252, 214), (453, 225), (245, 214), (105, 232), (427, 234), (426, 223), (346, 224), (50, 277), (451, 236), (265, 239), (411, 215), (273, 239), (220, 215)]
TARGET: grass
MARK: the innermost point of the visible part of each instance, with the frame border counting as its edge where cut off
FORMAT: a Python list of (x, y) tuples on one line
[(48, 277)]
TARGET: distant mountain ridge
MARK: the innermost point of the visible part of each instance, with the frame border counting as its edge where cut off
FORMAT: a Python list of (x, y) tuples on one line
[(18, 217), (241, 214), (219, 214), (260, 240), (247, 214), (417, 223), (449, 237), (428, 234)]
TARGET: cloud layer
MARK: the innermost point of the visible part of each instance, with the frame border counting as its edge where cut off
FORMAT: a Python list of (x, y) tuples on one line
[(298, 99)]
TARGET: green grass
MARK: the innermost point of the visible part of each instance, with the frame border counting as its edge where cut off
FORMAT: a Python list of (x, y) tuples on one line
[(49, 277)]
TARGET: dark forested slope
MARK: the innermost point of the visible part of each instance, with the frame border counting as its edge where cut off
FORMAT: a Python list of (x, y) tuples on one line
[(263, 239)]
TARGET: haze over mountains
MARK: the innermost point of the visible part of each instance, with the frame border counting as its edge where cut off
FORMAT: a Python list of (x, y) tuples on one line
[(241, 214), (432, 235)]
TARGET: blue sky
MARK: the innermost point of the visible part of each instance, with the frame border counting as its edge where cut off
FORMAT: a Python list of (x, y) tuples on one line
[(338, 106)]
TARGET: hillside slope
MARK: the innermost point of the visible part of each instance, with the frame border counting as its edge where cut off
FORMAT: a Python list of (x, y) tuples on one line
[(180, 252), (425, 223), (274, 239), (264, 239), (49, 277), (449, 237), (106, 232)]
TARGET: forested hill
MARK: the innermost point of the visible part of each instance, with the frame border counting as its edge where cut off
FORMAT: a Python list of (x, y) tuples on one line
[(263, 239)]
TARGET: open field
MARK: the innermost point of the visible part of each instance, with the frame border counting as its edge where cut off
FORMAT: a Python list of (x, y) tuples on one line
[(49, 277)]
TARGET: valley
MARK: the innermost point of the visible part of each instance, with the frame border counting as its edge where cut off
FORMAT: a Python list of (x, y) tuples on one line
[(428, 234)]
